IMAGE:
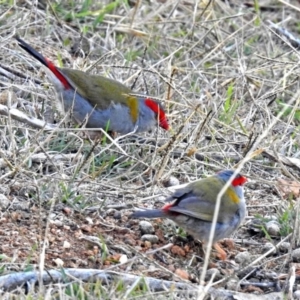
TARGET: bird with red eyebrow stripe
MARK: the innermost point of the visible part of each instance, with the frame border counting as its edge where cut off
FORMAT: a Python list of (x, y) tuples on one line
[(101, 102), (192, 207)]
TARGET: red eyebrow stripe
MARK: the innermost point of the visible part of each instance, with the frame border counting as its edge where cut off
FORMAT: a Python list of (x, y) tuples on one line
[(239, 181), (157, 109)]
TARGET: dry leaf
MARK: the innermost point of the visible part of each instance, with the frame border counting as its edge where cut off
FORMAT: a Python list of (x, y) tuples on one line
[(178, 250), (182, 274)]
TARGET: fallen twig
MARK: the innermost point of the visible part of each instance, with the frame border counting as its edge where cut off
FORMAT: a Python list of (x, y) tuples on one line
[(12, 281), (22, 117)]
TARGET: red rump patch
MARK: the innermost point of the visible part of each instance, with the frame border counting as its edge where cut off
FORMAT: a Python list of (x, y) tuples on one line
[(58, 74), (158, 110), (167, 206)]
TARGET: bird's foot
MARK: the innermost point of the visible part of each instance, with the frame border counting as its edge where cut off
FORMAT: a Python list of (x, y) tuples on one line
[(221, 252)]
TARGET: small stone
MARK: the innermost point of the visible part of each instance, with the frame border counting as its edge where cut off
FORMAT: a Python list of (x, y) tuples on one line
[(89, 220), (296, 295), (59, 262), (4, 202), (52, 216), (110, 212), (213, 272), (66, 245), (58, 223), (273, 228), (173, 181), (268, 246), (232, 284), (285, 247), (147, 244), (243, 258), (117, 215), (146, 227), (123, 259), (150, 237), (296, 255)]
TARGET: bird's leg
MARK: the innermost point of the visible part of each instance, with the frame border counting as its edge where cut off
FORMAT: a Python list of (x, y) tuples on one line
[(98, 135), (221, 252)]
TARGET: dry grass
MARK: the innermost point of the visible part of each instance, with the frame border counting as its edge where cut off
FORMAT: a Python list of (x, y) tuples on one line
[(222, 75)]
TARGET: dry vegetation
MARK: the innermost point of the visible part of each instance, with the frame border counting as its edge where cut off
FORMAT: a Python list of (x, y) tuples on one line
[(225, 78)]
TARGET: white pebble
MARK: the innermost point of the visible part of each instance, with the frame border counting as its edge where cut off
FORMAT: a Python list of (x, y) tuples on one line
[(146, 227), (243, 257), (123, 259), (66, 245), (59, 262), (173, 181), (273, 228), (296, 255), (232, 284), (4, 202), (296, 295), (153, 239), (285, 247)]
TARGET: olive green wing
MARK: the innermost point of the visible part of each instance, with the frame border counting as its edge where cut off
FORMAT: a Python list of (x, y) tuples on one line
[(198, 200), (99, 90)]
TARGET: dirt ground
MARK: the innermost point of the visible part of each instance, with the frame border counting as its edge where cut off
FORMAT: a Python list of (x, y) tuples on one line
[(228, 79)]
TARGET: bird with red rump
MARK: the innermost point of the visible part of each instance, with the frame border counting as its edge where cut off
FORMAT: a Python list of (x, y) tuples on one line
[(101, 102), (192, 207)]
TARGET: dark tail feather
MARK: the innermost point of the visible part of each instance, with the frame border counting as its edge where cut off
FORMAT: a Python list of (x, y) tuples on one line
[(32, 51), (46, 62), (150, 214)]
